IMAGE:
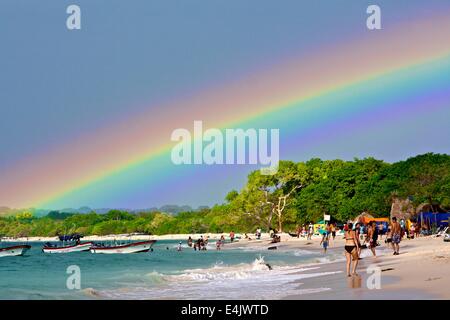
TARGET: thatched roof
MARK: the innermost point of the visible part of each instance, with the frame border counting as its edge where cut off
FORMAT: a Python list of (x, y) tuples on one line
[(362, 217)]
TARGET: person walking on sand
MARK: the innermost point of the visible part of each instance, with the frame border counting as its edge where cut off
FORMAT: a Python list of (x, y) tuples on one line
[(351, 249), (333, 230), (388, 240), (372, 237), (396, 230), (357, 236), (310, 231), (380, 230), (412, 231), (324, 242)]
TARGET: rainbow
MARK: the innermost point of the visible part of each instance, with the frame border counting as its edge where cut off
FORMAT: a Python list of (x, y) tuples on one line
[(408, 58)]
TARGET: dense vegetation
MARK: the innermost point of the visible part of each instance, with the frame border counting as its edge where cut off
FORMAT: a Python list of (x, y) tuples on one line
[(298, 193)]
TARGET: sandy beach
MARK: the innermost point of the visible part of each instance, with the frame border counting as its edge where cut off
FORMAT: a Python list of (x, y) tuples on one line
[(421, 271)]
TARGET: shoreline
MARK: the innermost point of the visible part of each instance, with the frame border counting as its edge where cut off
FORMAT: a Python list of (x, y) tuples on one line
[(419, 272), (182, 237)]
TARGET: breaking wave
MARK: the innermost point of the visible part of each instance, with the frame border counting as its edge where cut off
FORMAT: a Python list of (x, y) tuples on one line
[(256, 280)]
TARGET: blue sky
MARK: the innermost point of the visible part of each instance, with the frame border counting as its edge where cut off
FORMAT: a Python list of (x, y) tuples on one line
[(132, 55)]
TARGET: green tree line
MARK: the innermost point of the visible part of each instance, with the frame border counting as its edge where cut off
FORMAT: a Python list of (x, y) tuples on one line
[(299, 192)]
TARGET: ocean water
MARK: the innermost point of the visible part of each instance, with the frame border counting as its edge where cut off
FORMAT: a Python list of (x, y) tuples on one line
[(236, 273)]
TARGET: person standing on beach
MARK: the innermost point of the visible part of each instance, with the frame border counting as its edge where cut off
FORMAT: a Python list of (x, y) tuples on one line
[(232, 236), (388, 240), (351, 249), (372, 237), (412, 231), (310, 231), (324, 241), (380, 230), (258, 233), (396, 230), (357, 235), (333, 230)]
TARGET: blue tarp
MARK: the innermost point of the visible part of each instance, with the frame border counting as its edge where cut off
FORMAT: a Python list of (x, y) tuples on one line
[(430, 218)]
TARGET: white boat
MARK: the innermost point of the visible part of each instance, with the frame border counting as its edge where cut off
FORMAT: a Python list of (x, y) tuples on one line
[(68, 248), (17, 250), (134, 247)]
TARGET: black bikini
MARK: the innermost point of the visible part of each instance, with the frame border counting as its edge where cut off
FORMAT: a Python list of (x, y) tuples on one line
[(349, 249)]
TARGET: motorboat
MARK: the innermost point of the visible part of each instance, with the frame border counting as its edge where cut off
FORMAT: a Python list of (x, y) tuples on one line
[(69, 243), (131, 247), (17, 250)]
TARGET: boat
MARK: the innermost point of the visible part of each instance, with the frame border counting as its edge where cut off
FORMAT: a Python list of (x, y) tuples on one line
[(132, 247), (78, 247), (70, 243), (17, 250)]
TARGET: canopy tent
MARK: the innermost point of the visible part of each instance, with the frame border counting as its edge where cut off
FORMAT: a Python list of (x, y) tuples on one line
[(70, 237), (364, 218)]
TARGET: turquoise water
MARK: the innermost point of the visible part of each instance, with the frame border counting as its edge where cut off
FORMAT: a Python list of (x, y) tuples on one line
[(161, 274)]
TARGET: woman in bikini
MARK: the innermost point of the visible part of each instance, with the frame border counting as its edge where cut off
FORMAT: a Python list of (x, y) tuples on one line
[(351, 249)]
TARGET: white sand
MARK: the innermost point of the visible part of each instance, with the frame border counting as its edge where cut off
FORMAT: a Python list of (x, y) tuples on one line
[(421, 271)]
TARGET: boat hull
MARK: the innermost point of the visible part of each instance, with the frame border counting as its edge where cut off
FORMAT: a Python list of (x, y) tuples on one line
[(143, 246), (14, 250), (67, 249)]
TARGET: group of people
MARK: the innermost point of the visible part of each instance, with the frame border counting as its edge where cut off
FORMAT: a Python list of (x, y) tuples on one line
[(353, 246), (202, 243), (328, 234), (308, 230), (305, 231)]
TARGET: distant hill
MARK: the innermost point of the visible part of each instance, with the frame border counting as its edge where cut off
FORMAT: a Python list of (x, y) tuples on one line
[(174, 209), (170, 208), (4, 211)]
